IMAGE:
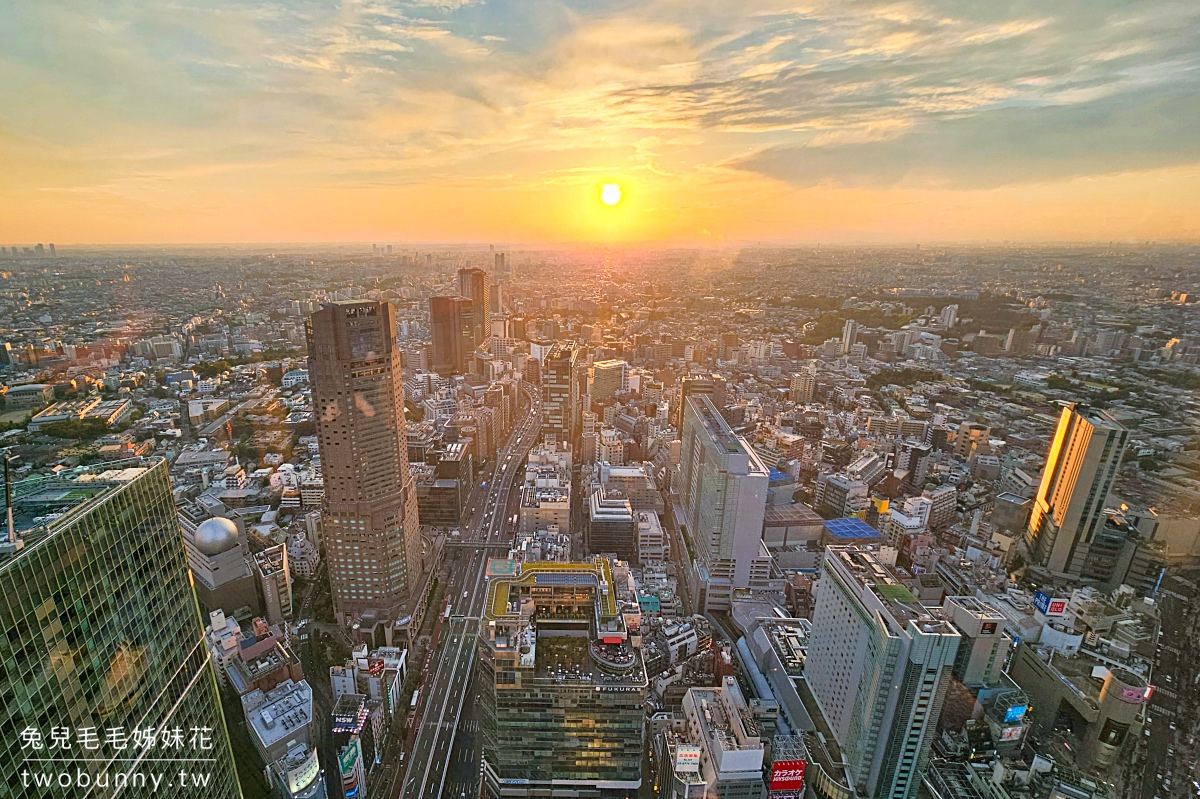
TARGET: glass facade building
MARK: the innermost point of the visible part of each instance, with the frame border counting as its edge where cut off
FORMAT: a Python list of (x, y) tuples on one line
[(562, 696), (102, 638)]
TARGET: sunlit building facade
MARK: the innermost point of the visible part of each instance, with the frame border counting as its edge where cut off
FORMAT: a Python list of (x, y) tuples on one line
[(1068, 510)]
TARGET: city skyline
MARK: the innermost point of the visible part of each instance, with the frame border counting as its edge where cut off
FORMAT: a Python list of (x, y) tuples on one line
[(719, 124)]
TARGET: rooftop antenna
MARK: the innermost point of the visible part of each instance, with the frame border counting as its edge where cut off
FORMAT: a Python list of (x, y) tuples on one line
[(11, 543)]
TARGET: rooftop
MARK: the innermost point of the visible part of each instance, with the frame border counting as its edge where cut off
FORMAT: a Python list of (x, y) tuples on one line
[(851, 527), (280, 713)]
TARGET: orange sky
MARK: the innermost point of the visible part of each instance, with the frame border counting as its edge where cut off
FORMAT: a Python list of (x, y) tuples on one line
[(724, 123)]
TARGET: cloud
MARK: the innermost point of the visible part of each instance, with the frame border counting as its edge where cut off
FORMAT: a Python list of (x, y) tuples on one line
[(1135, 132), (128, 95)]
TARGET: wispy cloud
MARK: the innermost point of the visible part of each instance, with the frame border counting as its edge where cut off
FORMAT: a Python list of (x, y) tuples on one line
[(128, 96)]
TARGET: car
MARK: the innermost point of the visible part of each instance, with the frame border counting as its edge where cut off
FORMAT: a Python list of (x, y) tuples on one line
[(464, 594)]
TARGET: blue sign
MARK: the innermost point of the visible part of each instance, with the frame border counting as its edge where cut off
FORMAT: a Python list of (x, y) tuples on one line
[(1015, 713), (1041, 601)]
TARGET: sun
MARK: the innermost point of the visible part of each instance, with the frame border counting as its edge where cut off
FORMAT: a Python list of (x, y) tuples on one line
[(610, 193)]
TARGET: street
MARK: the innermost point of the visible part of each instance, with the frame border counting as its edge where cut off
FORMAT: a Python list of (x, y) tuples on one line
[(439, 754), (1165, 763)]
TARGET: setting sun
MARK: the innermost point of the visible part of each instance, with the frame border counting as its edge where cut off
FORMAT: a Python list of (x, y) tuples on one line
[(610, 194)]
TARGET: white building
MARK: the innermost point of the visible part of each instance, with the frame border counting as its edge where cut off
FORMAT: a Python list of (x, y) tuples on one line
[(731, 751), (878, 667)]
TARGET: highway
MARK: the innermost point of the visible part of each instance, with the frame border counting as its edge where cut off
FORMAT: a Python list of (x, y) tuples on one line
[(430, 761)]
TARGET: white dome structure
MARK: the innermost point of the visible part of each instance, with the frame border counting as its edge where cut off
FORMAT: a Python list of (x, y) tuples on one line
[(216, 535)]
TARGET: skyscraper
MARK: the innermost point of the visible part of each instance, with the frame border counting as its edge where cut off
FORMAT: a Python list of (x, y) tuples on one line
[(476, 286), (724, 491), (103, 633), (369, 515), (563, 686), (849, 335), (878, 666), (560, 391), (608, 379), (1068, 509), (452, 329)]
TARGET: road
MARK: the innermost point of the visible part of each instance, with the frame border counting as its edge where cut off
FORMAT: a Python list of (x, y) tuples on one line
[(212, 427), (437, 753), (1165, 763)]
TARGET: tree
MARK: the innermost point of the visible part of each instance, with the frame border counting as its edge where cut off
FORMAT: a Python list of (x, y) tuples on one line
[(83, 429)]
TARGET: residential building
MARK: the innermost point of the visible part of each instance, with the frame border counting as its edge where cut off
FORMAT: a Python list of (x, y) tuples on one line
[(1068, 510)]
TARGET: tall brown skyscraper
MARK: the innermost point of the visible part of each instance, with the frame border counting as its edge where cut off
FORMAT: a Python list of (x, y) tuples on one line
[(452, 327), (369, 518), (475, 285)]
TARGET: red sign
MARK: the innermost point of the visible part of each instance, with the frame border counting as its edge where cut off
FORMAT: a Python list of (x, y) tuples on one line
[(787, 775), (1057, 607)]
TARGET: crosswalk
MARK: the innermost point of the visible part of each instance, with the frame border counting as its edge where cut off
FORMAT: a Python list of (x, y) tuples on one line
[(458, 790)]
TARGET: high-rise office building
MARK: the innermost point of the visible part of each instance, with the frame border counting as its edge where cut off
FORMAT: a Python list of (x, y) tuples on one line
[(563, 686), (476, 286), (560, 392), (713, 386), (612, 526), (608, 379), (1068, 510), (369, 515), (849, 335), (724, 492), (103, 634), (878, 666), (452, 332)]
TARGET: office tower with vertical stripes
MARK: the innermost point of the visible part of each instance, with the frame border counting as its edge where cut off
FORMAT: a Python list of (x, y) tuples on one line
[(724, 494), (1068, 510), (560, 392)]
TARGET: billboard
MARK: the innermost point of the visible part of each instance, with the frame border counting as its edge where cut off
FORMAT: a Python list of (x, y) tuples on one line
[(1015, 713), (687, 758), (350, 765), (1048, 605), (1012, 733), (304, 773), (787, 775), (1134, 696)]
